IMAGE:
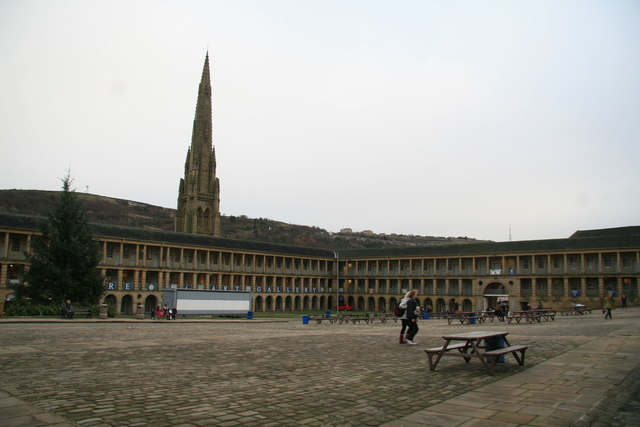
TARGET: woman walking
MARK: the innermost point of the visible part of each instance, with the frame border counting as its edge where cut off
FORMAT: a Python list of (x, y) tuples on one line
[(412, 316), (403, 317)]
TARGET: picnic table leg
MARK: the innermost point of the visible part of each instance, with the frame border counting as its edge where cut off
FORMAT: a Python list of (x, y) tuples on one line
[(440, 353)]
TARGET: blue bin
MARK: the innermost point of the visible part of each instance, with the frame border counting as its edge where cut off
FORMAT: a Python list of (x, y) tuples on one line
[(305, 319), (249, 315), (472, 319), (494, 344), (327, 314), (425, 316)]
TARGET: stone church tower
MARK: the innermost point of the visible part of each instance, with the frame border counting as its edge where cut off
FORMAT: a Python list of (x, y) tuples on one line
[(199, 193)]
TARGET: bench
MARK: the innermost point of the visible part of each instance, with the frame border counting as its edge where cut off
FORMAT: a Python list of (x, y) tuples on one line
[(78, 311), (495, 354), (529, 317), (461, 347)]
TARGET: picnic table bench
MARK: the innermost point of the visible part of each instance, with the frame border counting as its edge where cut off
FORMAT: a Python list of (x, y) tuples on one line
[(492, 316), (575, 310), (471, 347), (529, 316), (465, 318)]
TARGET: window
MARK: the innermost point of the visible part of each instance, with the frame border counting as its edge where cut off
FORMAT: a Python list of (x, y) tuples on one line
[(109, 251), (15, 244), (606, 260), (540, 263)]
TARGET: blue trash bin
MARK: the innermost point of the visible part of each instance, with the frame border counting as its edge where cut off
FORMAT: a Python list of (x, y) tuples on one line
[(249, 315), (494, 344), (472, 319), (305, 319), (327, 314), (425, 316)]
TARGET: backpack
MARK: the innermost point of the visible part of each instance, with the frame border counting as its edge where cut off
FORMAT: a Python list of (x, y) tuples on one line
[(398, 311)]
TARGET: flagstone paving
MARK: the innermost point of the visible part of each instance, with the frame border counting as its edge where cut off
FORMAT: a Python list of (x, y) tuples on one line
[(578, 371)]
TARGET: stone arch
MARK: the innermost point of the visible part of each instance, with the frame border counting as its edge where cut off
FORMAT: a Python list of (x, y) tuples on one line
[(126, 305), (268, 303), (440, 305), (278, 303), (467, 306), (382, 304), (287, 303), (257, 303), (314, 303), (495, 288), (428, 304), (112, 302), (150, 303), (296, 303), (371, 304)]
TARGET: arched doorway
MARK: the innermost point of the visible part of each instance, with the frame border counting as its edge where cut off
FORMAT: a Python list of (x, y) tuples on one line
[(371, 304), (150, 303), (112, 302), (257, 304), (126, 305), (382, 304), (495, 293)]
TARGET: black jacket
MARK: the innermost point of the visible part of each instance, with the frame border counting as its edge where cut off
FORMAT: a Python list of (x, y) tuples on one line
[(411, 309)]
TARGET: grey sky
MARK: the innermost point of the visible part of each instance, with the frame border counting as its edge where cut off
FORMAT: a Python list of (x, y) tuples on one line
[(448, 118)]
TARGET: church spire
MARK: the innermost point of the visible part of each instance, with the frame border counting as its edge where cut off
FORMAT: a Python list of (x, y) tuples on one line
[(199, 192)]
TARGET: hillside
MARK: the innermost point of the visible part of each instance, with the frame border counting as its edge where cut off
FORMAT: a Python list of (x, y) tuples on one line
[(108, 210)]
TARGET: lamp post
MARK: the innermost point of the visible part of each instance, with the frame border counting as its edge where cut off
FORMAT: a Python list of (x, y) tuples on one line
[(336, 254)]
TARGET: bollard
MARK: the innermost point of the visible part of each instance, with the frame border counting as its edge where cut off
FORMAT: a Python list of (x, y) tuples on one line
[(103, 311)]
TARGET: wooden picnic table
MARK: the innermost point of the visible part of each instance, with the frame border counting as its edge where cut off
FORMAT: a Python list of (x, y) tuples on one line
[(528, 316), (492, 316), (575, 310), (465, 317), (469, 345)]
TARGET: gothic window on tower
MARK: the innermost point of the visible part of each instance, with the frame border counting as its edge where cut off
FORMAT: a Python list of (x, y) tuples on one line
[(199, 217), (206, 217)]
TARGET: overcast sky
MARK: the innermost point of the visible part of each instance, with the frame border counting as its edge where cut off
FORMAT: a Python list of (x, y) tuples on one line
[(446, 118)]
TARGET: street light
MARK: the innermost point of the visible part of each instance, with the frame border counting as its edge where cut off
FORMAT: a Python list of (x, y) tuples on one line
[(336, 254)]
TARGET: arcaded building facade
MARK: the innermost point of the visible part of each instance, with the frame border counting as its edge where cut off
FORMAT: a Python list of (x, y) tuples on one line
[(138, 264)]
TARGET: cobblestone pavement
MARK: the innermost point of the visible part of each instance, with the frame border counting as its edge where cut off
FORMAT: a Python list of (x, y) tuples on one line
[(248, 372)]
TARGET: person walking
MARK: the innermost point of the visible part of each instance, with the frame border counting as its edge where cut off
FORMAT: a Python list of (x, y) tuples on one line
[(608, 305), (623, 300), (403, 317), (412, 317)]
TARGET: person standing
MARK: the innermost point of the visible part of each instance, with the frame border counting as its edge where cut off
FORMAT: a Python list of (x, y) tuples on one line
[(608, 305), (412, 317), (623, 300)]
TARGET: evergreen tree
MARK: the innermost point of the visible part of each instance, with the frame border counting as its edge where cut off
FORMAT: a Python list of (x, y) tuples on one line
[(64, 258)]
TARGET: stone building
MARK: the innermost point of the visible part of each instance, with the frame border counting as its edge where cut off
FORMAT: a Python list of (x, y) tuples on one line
[(138, 264), (199, 190)]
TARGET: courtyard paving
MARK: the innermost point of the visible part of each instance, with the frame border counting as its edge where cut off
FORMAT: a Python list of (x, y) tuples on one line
[(579, 370)]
